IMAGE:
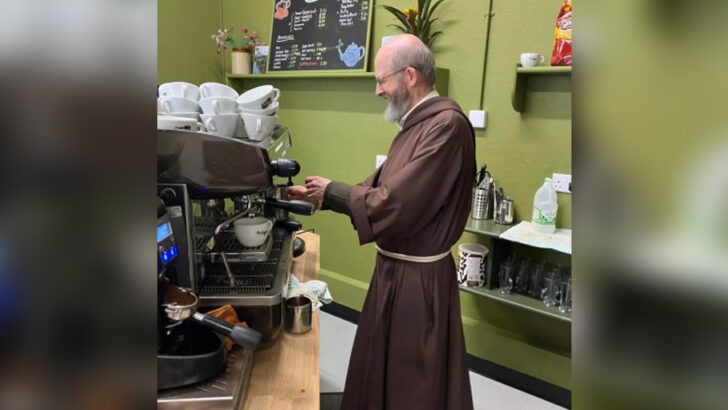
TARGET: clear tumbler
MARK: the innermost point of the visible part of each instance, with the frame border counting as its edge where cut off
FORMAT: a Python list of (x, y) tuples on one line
[(505, 278), (550, 292)]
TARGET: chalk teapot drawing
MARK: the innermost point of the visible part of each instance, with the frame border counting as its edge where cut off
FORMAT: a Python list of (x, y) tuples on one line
[(352, 54)]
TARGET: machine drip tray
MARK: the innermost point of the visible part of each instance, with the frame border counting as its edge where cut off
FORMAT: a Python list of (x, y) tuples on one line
[(235, 252)]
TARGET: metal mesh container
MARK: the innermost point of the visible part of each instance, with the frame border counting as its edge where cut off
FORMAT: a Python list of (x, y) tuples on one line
[(482, 203)]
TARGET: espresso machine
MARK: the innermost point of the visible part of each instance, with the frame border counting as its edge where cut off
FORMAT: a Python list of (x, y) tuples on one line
[(207, 182)]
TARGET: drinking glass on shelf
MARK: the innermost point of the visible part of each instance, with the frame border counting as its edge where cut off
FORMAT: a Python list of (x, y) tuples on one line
[(565, 301), (521, 282), (550, 292), (535, 279), (505, 278)]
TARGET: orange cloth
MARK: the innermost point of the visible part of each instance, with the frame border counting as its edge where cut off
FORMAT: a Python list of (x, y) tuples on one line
[(228, 314)]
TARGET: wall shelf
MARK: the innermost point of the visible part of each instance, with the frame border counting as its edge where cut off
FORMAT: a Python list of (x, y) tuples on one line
[(302, 74), (520, 301), (500, 249), (518, 95), (442, 77), (486, 227)]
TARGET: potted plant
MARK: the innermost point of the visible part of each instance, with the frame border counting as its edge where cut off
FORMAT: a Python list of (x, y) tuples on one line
[(417, 20), (240, 53)]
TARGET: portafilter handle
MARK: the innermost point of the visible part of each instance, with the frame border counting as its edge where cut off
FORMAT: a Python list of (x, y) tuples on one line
[(244, 336), (285, 167), (295, 206)]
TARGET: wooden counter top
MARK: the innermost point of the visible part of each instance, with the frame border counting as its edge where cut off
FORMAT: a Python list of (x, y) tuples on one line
[(285, 374)]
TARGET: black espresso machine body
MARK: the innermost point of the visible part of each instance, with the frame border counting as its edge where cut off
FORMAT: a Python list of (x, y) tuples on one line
[(206, 182)]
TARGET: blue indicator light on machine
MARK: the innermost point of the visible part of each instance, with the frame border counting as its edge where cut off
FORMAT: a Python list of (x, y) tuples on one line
[(165, 257), (173, 251), (204, 189)]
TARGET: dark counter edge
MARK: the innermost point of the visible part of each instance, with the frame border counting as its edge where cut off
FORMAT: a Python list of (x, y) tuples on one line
[(517, 380)]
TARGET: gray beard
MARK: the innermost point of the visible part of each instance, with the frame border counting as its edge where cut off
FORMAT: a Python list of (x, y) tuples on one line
[(396, 106)]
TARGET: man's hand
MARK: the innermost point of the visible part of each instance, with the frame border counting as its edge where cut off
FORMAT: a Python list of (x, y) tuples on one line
[(298, 192), (316, 186)]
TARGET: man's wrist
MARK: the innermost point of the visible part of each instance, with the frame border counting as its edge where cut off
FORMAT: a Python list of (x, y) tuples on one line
[(336, 197)]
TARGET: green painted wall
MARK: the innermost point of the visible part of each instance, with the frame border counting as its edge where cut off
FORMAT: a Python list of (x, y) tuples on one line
[(338, 129), (522, 149), (185, 51)]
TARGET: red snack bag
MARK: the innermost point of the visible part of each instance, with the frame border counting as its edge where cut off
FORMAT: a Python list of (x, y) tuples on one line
[(562, 36)]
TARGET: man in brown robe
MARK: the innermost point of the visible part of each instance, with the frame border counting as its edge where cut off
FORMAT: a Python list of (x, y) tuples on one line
[(409, 350)]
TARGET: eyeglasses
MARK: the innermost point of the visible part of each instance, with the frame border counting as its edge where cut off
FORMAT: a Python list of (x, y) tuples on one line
[(383, 79)]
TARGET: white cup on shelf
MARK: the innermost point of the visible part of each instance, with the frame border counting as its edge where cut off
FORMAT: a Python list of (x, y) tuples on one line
[(223, 125), (179, 89), (259, 98), (531, 59), (218, 105), (270, 110), (192, 114), (258, 126), (217, 90), (178, 123), (173, 104)]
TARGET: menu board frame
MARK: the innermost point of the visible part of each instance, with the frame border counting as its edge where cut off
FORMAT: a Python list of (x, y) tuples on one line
[(363, 69)]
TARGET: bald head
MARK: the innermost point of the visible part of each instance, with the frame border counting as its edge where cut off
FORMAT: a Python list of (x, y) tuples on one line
[(406, 50)]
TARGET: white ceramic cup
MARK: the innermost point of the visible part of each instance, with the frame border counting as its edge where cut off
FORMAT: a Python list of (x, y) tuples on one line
[(259, 97), (179, 89), (193, 114), (178, 104), (218, 105), (270, 110), (178, 123), (471, 265), (223, 125), (258, 126), (252, 232), (531, 59), (217, 90)]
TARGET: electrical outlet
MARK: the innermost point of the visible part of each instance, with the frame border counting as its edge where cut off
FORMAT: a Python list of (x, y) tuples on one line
[(562, 182), (477, 118), (380, 160)]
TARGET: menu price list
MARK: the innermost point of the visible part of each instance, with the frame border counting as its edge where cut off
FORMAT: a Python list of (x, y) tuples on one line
[(321, 34)]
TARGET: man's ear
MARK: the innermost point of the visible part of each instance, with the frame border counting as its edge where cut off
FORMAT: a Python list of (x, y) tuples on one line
[(412, 76)]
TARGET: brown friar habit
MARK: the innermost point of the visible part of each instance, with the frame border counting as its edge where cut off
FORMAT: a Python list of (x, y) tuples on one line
[(409, 350)]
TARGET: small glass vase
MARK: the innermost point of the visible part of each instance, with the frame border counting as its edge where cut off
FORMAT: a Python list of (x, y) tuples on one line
[(240, 61)]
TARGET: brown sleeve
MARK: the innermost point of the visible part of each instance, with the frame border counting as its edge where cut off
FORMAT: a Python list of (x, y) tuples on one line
[(412, 195), (336, 197)]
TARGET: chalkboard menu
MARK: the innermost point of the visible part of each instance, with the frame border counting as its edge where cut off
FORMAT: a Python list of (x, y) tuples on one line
[(319, 35)]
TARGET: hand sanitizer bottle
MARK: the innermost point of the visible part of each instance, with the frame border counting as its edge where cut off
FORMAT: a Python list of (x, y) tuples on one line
[(544, 208)]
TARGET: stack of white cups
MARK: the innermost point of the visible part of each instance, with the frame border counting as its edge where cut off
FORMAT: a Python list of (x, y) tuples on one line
[(258, 108), (219, 110), (222, 109), (177, 107), (179, 99)]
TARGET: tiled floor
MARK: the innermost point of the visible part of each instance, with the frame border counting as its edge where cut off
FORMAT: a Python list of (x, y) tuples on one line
[(337, 336)]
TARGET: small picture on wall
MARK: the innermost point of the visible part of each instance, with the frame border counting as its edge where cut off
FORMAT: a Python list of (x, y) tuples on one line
[(259, 59)]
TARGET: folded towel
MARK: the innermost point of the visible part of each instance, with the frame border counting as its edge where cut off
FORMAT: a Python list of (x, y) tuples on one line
[(316, 290)]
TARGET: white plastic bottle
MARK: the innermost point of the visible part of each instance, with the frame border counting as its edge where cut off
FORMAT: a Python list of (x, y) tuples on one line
[(544, 208)]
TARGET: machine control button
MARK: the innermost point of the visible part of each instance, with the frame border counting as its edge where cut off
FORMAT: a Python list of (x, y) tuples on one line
[(168, 195)]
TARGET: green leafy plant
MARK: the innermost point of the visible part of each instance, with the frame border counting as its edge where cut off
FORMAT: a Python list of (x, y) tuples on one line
[(224, 38), (417, 20)]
